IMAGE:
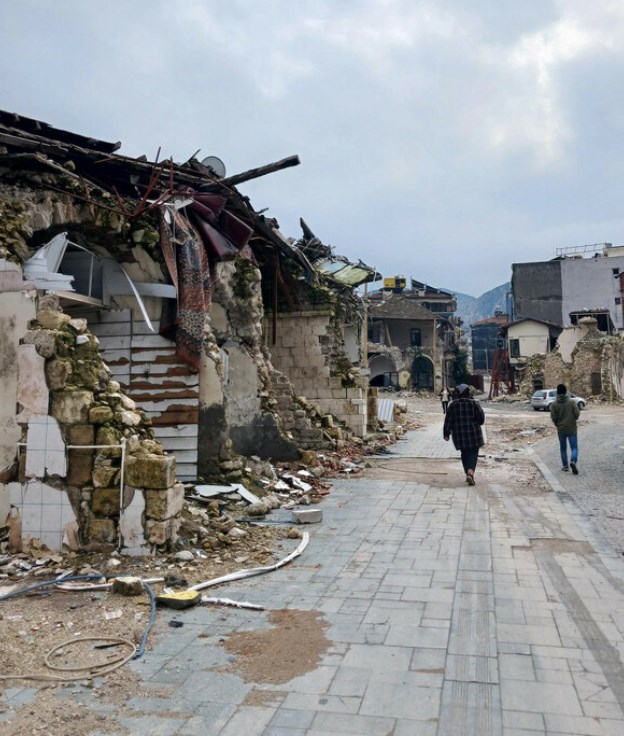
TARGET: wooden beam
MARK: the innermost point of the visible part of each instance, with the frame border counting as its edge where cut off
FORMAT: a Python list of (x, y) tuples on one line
[(285, 163)]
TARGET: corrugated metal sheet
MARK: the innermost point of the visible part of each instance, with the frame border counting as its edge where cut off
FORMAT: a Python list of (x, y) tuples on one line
[(148, 370), (385, 410), (344, 272)]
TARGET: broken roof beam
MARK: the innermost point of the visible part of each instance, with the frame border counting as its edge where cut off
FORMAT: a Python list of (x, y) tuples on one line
[(41, 129), (285, 163)]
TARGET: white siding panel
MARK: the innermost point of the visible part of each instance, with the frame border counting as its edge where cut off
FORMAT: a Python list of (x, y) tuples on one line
[(135, 355)]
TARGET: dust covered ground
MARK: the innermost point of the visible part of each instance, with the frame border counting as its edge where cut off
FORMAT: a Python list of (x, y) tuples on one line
[(33, 625), (510, 428)]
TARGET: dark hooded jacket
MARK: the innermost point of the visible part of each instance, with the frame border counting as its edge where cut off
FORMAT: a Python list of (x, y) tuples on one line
[(564, 412)]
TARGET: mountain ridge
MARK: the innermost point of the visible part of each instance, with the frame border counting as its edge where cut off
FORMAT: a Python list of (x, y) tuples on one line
[(471, 309)]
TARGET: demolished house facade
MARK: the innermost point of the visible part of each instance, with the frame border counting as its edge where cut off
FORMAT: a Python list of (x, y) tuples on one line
[(589, 361), (155, 329), (413, 337)]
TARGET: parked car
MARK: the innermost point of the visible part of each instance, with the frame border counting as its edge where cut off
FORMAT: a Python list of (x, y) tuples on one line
[(541, 400)]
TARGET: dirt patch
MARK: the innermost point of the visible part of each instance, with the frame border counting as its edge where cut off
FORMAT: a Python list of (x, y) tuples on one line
[(558, 546), (264, 698), (50, 714), (518, 473), (293, 647), (55, 710)]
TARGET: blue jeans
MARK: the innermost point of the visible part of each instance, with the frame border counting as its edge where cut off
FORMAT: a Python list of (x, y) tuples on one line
[(563, 448)]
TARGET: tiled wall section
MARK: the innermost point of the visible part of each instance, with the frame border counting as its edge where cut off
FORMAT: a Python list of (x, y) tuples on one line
[(45, 512)]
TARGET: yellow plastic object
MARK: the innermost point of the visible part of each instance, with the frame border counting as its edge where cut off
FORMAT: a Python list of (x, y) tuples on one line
[(182, 599)]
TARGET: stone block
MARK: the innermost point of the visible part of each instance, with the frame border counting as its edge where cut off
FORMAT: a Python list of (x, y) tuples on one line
[(357, 424), (127, 585), (108, 436), (43, 340), (129, 418), (105, 476), (150, 447), (102, 530), (354, 393), (52, 320), (150, 472), (71, 407), (161, 532), (79, 324), (57, 373), (359, 405), (162, 505), (287, 337), (81, 434), (105, 501), (100, 414), (80, 468)]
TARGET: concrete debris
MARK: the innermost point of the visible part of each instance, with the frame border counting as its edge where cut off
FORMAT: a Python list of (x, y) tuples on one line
[(204, 491), (184, 556), (113, 615), (128, 585), (307, 516)]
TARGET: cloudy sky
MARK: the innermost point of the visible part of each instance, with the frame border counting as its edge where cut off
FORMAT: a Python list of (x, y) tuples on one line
[(439, 139)]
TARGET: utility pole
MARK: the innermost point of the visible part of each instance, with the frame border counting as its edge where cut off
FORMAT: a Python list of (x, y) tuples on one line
[(365, 329)]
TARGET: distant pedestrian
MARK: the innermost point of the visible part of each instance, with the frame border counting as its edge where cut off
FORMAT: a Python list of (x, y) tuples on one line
[(463, 421), (444, 398), (564, 412)]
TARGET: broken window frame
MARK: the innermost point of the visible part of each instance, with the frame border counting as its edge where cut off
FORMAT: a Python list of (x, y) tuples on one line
[(115, 280)]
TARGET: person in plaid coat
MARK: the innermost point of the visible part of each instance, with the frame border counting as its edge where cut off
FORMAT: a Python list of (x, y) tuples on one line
[(463, 421)]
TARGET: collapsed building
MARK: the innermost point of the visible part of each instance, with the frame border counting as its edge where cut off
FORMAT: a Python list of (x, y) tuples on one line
[(413, 336), (156, 329), (589, 361)]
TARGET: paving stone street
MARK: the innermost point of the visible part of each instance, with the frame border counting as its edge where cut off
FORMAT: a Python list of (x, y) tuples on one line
[(450, 611)]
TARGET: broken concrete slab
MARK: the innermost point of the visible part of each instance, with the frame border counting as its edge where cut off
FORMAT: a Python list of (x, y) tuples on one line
[(307, 516), (205, 491)]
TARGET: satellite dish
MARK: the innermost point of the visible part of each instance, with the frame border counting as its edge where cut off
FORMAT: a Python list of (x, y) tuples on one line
[(215, 165)]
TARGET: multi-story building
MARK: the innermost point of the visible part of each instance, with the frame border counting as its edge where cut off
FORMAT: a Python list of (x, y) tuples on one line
[(411, 333), (579, 282)]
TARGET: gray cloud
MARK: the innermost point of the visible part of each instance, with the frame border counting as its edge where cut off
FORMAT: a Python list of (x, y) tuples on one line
[(439, 139)]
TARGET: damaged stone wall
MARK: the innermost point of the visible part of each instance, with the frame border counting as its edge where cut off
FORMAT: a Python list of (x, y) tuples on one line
[(252, 400), (595, 368), (67, 404), (239, 405), (308, 348)]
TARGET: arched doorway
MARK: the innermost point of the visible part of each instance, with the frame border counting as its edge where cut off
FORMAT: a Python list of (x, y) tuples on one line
[(422, 373), (383, 371)]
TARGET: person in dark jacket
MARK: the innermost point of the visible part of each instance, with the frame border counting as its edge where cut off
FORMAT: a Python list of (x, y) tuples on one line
[(463, 421), (564, 412)]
